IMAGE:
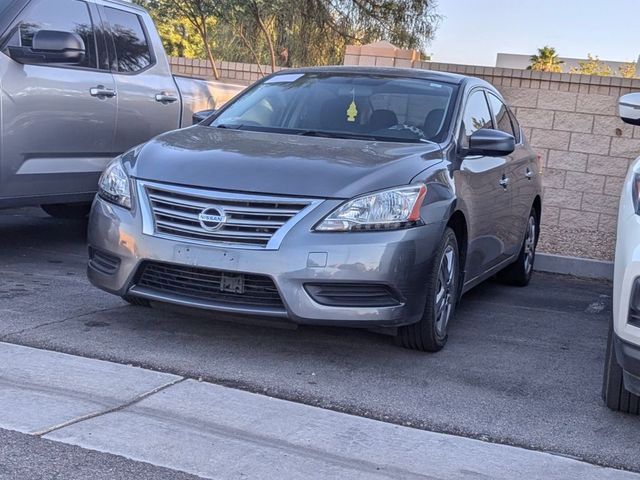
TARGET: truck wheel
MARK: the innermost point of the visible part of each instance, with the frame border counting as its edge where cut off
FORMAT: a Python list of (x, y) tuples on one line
[(615, 396), (519, 272), (430, 333), (136, 301), (68, 210)]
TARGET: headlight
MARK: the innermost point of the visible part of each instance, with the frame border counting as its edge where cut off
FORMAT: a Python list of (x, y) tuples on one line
[(114, 185), (386, 210)]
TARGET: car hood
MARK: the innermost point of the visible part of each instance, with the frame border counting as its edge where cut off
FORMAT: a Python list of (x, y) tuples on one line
[(274, 163)]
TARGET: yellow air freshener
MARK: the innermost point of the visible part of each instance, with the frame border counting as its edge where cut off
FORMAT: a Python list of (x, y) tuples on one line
[(352, 112)]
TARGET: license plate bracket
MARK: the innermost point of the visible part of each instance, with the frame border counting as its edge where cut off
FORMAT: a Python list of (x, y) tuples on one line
[(232, 283)]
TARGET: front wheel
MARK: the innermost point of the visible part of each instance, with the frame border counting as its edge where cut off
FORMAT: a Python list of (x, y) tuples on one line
[(615, 396), (430, 333), (72, 211), (519, 273)]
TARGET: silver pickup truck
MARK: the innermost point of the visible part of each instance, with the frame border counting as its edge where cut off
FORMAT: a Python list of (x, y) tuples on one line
[(81, 81)]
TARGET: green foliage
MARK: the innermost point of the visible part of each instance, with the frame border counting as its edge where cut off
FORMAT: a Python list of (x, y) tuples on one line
[(290, 32), (593, 66), (546, 60), (629, 70)]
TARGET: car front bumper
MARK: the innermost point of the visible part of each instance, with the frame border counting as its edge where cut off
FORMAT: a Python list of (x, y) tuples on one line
[(626, 273), (398, 260)]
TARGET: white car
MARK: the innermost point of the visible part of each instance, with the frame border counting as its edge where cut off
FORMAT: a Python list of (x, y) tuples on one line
[(621, 386)]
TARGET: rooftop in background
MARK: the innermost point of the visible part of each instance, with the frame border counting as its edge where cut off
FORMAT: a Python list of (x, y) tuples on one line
[(520, 61)]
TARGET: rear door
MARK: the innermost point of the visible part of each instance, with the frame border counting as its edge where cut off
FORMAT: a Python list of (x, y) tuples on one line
[(57, 133), (148, 98), (520, 166), (487, 197)]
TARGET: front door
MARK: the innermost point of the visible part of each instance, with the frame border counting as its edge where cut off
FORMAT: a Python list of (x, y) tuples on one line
[(58, 121), (148, 98), (485, 184)]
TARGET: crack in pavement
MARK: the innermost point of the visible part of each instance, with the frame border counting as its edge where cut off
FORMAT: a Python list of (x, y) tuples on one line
[(6, 336), (106, 411)]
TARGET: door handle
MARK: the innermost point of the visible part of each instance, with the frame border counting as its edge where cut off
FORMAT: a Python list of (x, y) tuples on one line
[(504, 182), (528, 173), (102, 92), (165, 97)]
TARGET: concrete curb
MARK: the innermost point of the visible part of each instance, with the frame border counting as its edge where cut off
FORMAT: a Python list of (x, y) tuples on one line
[(578, 267), (219, 432)]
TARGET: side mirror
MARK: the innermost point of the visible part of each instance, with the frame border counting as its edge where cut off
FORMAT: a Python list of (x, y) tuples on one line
[(491, 143), (201, 115), (50, 46), (629, 106)]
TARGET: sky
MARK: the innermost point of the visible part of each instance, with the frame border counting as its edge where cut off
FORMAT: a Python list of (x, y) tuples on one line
[(474, 31)]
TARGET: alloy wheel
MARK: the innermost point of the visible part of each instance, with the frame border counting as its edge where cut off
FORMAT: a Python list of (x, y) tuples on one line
[(445, 296), (530, 245)]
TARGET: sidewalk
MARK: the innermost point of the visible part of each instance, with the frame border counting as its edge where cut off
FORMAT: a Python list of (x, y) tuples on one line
[(218, 432)]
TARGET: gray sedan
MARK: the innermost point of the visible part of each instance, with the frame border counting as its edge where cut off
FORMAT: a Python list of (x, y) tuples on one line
[(345, 196)]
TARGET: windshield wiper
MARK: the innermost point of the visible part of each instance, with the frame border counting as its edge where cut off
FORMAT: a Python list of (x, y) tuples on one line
[(321, 133), (229, 126)]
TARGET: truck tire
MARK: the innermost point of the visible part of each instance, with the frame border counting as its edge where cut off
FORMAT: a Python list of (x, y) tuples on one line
[(73, 211), (615, 396), (519, 272), (430, 333)]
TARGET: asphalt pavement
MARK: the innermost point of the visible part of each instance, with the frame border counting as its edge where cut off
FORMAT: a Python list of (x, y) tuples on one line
[(523, 366)]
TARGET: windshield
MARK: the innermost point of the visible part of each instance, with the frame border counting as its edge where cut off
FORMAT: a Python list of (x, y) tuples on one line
[(4, 9), (368, 107)]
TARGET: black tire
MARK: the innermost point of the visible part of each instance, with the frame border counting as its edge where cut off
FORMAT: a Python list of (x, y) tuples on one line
[(70, 211), (430, 333), (519, 272), (136, 301), (615, 396)]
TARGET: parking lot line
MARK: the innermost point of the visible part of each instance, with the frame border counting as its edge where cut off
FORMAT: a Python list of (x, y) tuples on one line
[(219, 432)]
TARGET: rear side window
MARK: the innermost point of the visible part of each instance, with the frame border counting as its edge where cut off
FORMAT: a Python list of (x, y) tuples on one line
[(476, 114), (67, 16), (501, 113), (130, 41)]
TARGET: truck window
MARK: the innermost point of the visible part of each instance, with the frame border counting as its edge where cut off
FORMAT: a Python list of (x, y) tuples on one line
[(130, 41), (66, 16)]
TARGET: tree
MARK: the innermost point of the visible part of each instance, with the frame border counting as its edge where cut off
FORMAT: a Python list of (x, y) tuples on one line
[(201, 14), (593, 66), (629, 70), (546, 60), (293, 32)]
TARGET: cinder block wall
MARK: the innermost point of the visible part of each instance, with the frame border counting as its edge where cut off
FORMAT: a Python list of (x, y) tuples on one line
[(231, 72), (570, 120)]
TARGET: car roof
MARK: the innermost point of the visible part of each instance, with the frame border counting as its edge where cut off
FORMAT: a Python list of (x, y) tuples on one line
[(126, 3), (396, 72)]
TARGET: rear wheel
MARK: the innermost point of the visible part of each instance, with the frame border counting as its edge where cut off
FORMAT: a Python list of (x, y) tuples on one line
[(68, 210), (430, 333), (615, 396), (519, 273)]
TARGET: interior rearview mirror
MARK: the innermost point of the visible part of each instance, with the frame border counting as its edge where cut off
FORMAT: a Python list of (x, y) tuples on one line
[(201, 115), (491, 143), (51, 46), (629, 106)]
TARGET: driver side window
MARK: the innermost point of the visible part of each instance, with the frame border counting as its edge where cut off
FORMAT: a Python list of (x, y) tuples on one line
[(476, 115), (68, 16)]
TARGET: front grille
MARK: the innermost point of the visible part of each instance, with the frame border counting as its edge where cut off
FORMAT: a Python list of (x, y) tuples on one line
[(251, 220), (206, 285), (352, 295)]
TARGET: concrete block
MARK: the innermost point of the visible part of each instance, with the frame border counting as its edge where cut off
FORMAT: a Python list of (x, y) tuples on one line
[(573, 122), (567, 160), (552, 100), (551, 139), (587, 143)]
